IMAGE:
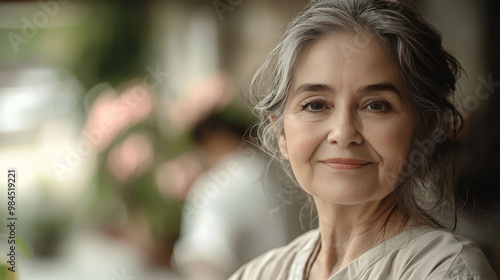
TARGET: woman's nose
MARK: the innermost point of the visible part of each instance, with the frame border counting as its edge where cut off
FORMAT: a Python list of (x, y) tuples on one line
[(344, 129)]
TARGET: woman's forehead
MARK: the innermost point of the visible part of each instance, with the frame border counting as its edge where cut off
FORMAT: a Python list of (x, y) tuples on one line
[(351, 60)]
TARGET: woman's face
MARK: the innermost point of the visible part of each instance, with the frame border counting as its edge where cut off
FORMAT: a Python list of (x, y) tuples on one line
[(348, 122)]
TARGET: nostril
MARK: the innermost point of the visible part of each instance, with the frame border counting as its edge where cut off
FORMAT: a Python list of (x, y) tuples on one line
[(345, 137)]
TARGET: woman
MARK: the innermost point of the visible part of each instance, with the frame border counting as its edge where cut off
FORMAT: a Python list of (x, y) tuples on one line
[(359, 107)]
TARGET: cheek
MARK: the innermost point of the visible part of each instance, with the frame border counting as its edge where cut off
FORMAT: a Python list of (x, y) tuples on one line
[(302, 139), (392, 143)]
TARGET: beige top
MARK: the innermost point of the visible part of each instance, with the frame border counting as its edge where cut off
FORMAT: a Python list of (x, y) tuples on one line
[(417, 253)]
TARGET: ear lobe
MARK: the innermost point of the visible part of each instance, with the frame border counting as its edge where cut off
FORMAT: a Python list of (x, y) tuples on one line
[(281, 137), (283, 146)]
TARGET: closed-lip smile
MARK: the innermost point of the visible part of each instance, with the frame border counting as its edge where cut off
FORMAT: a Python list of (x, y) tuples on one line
[(346, 163)]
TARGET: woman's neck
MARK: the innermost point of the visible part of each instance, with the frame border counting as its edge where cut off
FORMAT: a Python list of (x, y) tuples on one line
[(348, 231)]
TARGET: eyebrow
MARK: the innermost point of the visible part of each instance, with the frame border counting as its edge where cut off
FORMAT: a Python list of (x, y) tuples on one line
[(313, 88), (387, 87)]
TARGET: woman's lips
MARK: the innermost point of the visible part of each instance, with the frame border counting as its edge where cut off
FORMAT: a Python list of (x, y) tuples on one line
[(346, 163)]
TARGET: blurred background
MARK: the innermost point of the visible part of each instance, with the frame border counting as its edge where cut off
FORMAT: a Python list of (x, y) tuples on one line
[(124, 119)]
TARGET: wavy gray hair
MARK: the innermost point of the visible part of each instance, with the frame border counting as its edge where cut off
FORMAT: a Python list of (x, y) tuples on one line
[(425, 192)]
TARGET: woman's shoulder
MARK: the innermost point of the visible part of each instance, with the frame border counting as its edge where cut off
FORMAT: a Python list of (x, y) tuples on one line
[(280, 262), (441, 254)]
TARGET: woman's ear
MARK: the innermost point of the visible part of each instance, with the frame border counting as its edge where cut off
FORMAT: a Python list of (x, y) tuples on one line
[(281, 136)]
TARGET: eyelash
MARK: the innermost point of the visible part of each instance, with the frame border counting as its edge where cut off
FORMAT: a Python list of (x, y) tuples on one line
[(313, 101), (387, 105)]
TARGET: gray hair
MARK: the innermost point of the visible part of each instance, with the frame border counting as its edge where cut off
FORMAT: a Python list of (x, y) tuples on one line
[(426, 191)]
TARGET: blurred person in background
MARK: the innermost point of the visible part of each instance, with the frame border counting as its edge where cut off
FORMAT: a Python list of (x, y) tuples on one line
[(218, 232)]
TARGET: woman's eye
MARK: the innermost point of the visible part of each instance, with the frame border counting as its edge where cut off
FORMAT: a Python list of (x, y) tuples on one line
[(313, 106), (378, 106)]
